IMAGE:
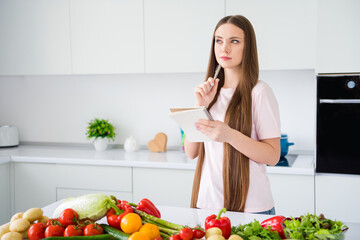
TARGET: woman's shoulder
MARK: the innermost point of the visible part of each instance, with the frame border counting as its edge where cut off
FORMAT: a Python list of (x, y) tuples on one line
[(260, 88)]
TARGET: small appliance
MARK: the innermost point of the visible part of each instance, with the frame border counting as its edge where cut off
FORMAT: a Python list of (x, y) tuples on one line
[(9, 136)]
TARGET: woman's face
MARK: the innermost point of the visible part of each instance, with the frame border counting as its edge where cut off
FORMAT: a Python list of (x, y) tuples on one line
[(229, 45)]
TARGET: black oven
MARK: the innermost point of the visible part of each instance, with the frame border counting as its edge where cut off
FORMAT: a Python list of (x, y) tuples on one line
[(338, 124)]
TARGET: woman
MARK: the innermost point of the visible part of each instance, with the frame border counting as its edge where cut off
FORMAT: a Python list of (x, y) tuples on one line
[(231, 171)]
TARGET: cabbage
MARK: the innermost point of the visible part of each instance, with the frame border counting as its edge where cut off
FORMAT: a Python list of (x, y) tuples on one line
[(92, 206)]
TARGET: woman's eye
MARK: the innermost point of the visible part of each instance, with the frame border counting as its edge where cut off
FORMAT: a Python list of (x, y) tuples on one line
[(217, 40), (235, 41)]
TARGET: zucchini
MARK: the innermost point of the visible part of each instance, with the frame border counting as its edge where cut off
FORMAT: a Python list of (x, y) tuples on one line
[(94, 237), (115, 232)]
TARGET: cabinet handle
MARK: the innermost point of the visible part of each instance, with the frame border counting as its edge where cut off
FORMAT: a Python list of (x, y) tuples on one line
[(339, 101)]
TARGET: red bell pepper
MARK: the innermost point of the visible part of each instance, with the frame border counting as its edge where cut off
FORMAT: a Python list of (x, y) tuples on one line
[(223, 223), (116, 213), (275, 224), (147, 206)]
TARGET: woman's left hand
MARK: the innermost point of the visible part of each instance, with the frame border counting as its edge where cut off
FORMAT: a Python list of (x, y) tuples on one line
[(216, 130)]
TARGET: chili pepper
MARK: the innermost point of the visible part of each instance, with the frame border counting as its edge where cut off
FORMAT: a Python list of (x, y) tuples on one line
[(275, 223), (223, 223), (147, 206), (115, 214)]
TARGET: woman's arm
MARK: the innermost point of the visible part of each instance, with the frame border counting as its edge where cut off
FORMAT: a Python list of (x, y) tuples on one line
[(191, 149), (265, 151)]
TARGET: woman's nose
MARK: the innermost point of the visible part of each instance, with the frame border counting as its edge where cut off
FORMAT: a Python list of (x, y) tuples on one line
[(226, 48)]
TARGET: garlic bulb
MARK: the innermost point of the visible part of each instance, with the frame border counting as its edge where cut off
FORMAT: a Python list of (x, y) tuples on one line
[(131, 145)]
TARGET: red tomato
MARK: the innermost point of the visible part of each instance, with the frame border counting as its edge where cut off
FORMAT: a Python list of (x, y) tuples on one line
[(186, 234), (54, 231), (93, 229), (36, 231), (68, 217), (158, 238), (73, 230), (198, 233), (52, 221), (175, 237), (82, 223)]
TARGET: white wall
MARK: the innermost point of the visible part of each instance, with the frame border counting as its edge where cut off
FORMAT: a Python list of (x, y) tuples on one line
[(57, 108)]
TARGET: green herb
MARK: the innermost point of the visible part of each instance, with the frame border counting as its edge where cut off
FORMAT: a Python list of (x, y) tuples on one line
[(254, 231), (314, 227), (100, 128)]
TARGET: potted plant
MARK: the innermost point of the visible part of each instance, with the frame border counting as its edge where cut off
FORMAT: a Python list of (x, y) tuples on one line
[(103, 131)]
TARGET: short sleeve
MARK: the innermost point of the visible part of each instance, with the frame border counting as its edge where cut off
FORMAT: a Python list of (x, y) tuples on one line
[(266, 116)]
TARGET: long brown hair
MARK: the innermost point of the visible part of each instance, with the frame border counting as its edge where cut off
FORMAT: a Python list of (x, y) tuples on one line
[(238, 116)]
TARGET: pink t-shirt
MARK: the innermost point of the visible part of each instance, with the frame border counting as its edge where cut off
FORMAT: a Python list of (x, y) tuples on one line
[(265, 124)]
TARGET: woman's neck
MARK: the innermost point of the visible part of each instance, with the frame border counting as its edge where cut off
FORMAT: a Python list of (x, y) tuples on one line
[(232, 77)]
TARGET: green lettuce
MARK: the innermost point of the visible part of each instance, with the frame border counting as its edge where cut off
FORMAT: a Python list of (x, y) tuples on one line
[(92, 206)]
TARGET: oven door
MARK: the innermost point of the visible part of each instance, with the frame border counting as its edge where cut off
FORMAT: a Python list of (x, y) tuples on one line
[(338, 136)]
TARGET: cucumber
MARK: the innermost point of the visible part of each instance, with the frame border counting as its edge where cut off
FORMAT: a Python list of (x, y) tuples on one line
[(94, 237), (115, 232)]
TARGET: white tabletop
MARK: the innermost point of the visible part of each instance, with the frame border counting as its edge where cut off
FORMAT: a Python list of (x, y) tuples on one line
[(172, 159)]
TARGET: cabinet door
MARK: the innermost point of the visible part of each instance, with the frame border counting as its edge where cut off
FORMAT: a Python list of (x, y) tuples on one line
[(337, 196), (293, 194), (35, 37), (178, 34), (285, 31), (107, 36), (34, 185), (5, 191), (63, 193), (338, 36), (167, 187)]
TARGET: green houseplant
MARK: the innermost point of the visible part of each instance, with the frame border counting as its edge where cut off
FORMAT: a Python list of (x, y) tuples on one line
[(102, 131)]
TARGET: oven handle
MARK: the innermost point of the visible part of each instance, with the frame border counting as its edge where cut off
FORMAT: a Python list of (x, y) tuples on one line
[(339, 101)]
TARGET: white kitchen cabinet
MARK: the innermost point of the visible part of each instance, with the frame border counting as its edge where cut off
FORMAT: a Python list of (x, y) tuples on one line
[(5, 191), (35, 37), (167, 187), (285, 31), (293, 194), (75, 180), (34, 185), (337, 196), (178, 34), (338, 36), (107, 36)]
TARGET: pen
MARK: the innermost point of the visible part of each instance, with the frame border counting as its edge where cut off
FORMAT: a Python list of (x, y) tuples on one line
[(215, 75)]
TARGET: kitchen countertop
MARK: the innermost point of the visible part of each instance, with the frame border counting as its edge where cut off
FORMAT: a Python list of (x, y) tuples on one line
[(172, 159), (193, 217)]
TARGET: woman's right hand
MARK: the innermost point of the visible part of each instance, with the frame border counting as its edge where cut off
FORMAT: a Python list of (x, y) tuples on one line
[(205, 92)]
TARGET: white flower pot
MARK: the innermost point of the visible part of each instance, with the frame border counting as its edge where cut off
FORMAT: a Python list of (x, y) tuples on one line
[(100, 144)]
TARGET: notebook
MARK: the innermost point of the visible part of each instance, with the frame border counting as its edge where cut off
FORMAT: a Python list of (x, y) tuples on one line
[(186, 118)]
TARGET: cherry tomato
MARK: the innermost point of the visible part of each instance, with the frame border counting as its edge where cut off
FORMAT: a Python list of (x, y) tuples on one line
[(72, 230), (198, 233), (158, 238), (68, 217), (36, 231), (82, 223), (186, 234), (52, 221), (54, 231), (175, 237), (93, 229)]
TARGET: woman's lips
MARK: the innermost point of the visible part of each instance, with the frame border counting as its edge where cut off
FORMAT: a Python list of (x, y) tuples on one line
[(225, 58)]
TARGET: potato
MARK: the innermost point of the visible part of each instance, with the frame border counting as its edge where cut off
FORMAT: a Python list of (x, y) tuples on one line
[(235, 237), (216, 237), (43, 219), (213, 231), (19, 225), (24, 233), (33, 214), (12, 236), (18, 215), (4, 229)]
